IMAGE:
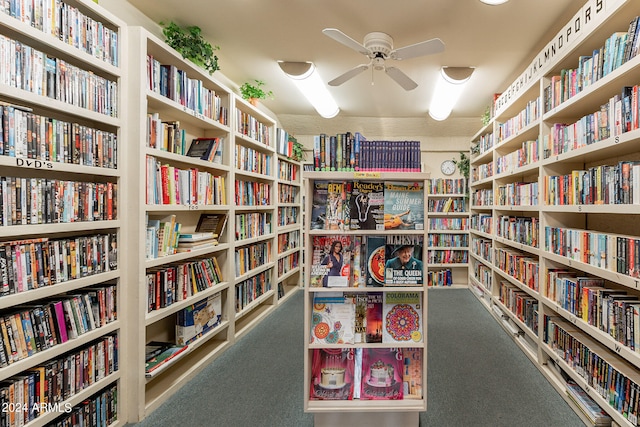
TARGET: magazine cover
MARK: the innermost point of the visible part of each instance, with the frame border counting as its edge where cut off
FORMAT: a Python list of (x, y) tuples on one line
[(374, 260), (402, 317), (382, 374), (412, 373), (360, 327), (367, 205), (333, 319), (319, 205), (403, 260), (331, 261), (404, 205), (332, 374), (335, 212), (374, 317), (357, 266)]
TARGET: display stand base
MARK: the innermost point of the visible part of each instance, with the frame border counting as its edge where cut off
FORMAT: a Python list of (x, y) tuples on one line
[(370, 419)]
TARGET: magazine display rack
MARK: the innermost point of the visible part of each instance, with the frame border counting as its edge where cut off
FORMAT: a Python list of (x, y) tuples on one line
[(355, 375), (554, 234)]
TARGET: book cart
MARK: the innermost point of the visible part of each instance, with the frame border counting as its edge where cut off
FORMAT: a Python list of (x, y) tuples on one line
[(554, 234), (361, 410), (61, 144)]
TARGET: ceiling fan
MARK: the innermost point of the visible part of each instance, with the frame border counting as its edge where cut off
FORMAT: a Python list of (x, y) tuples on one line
[(378, 47)]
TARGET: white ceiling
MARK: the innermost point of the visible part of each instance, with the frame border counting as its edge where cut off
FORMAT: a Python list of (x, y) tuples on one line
[(498, 41)]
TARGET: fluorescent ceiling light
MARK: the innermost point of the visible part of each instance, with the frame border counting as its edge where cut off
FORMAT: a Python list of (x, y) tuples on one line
[(449, 86), (494, 2), (306, 78)]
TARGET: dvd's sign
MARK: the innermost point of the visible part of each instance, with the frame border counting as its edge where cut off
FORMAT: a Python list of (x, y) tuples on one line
[(35, 164)]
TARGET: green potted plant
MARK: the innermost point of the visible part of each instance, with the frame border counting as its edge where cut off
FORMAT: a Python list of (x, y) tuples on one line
[(253, 92), (463, 167), (486, 116), (298, 153), (191, 45)]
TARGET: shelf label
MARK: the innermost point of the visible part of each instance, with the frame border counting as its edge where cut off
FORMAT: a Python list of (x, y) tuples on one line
[(366, 175), (617, 348), (32, 163), (194, 207)]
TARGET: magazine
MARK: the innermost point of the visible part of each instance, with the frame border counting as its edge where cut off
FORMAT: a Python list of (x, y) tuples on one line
[(404, 205), (331, 261)]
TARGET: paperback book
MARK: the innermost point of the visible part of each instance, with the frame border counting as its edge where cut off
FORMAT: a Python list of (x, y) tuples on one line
[(158, 354), (403, 265), (333, 319), (197, 319), (332, 374), (402, 317), (367, 205), (382, 374), (331, 261), (403, 205), (203, 148)]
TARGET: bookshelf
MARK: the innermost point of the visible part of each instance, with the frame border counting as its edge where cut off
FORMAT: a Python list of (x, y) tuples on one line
[(362, 408), (447, 232), (553, 225), (289, 226), (62, 149)]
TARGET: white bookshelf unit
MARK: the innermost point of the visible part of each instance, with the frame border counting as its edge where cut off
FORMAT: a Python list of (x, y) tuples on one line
[(360, 410), (554, 217), (447, 206), (62, 104)]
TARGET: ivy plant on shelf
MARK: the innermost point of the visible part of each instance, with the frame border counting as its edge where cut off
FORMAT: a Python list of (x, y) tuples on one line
[(298, 153), (191, 45), (463, 166), (252, 91)]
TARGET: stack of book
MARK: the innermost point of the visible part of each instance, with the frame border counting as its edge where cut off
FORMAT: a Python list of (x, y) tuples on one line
[(192, 241)]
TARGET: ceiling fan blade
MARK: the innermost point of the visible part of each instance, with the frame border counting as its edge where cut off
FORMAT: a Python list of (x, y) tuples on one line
[(401, 78), (348, 75), (341, 37), (428, 47)]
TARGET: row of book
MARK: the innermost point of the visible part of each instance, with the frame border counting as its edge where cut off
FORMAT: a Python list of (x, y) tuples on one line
[(169, 185), (254, 224), (173, 83), (442, 277), (288, 241), (68, 24), (251, 160), (482, 248), (35, 263), (618, 48), (367, 205), (366, 317), (170, 284), (518, 265), (530, 113), (619, 115), (288, 215), (520, 229), (288, 263), (252, 193), (50, 201), (483, 171), (251, 289), (597, 185), (450, 204), (435, 240), (47, 387), (359, 261), (251, 257), (592, 362), (620, 254), (288, 171), (288, 193), (29, 69), (31, 329), (481, 222), (26, 135), (101, 409), (520, 303), (527, 154), (161, 237), (446, 186), (251, 127), (448, 224), (517, 194), (366, 374), (483, 274), (352, 152), (447, 256), (482, 197)]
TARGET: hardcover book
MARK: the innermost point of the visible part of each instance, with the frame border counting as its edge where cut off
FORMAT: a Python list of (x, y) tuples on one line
[(403, 265), (382, 374), (404, 205), (374, 317), (212, 223), (332, 374), (333, 319), (331, 261), (198, 319), (374, 261), (402, 317), (158, 354), (203, 148), (367, 205)]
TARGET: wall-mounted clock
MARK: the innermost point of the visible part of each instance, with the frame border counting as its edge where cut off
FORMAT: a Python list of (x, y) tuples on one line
[(448, 167)]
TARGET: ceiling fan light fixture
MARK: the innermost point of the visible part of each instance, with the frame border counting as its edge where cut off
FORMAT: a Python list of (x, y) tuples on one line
[(494, 2), (306, 78), (449, 86)]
